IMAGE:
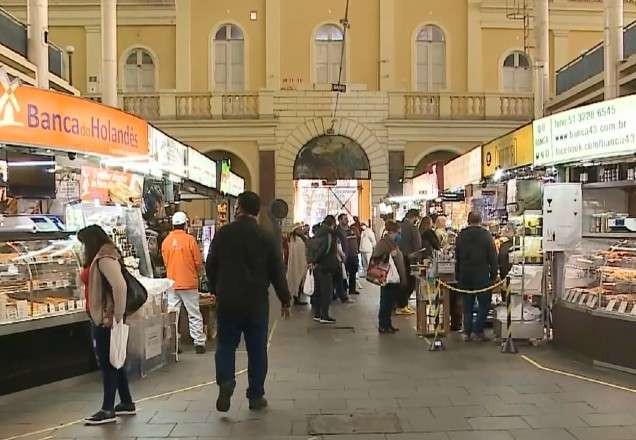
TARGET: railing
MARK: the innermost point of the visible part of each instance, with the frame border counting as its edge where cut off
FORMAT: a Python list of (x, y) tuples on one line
[(145, 106), (193, 106), (432, 106), (13, 34), (242, 105)]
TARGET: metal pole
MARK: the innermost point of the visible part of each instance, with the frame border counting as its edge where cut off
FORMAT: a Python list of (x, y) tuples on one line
[(509, 344), (438, 343)]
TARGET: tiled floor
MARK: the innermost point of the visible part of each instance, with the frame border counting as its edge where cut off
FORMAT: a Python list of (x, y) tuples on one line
[(351, 383)]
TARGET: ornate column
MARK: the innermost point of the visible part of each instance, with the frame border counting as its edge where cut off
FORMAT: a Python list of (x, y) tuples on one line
[(37, 43), (109, 52), (613, 46)]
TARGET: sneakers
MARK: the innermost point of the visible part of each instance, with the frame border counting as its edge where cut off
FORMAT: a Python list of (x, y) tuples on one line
[(224, 400), (258, 403), (199, 349), (387, 330), (101, 417), (316, 318), (327, 320), (405, 311), (125, 409)]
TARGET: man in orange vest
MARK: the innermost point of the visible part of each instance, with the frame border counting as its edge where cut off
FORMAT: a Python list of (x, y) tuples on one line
[(183, 261)]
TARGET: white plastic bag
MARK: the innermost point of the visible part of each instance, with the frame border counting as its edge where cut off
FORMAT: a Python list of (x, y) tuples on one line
[(308, 286), (393, 277), (118, 344)]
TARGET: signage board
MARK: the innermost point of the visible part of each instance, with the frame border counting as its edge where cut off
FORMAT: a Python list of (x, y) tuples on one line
[(231, 184), (170, 154), (511, 150), (201, 168), (562, 211), (110, 186), (342, 88), (464, 170), (42, 118), (599, 130)]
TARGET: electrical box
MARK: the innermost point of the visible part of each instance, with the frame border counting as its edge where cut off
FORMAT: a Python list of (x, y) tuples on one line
[(562, 216)]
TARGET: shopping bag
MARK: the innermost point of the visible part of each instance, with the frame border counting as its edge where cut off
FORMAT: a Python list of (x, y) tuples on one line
[(118, 344), (345, 275), (308, 286), (378, 271), (393, 276)]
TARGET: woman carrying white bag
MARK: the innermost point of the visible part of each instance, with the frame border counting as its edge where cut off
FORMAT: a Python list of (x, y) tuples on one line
[(107, 315)]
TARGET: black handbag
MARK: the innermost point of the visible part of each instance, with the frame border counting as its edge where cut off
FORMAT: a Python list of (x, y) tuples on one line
[(136, 293)]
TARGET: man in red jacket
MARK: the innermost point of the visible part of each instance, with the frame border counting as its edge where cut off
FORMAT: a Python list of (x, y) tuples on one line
[(183, 261)]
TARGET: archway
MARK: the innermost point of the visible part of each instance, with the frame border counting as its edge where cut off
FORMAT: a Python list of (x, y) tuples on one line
[(238, 165), (331, 176)]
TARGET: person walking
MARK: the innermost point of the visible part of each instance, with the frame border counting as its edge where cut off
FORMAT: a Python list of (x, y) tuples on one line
[(350, 247), (242, 262), (367, 244), (430, 241), (323, 257), (297, 263), (410, 244), (106, 292), (183, 260), (475, 268), (385, 251)]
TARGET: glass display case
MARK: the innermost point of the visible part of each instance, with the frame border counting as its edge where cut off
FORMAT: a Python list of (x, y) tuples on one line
[(38, 278), (124, 225), (601, 276)]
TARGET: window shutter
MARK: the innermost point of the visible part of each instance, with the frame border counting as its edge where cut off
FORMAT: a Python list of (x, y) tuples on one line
[(335, 51), (220, 66), (438, 64), (322, 62), (237, 82), (422, 65)]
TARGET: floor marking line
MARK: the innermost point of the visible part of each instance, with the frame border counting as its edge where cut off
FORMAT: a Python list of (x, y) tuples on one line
[(145, 399), (576, 376)]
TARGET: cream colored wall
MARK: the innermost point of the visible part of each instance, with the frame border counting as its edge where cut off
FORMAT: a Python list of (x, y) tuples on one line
[(73, 36), (207, 15), (414, 152), (497, 43), (580, 41), (160, 40), (451, 16)]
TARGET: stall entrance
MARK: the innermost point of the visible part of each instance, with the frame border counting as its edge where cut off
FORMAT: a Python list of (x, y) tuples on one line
[(331, 176)]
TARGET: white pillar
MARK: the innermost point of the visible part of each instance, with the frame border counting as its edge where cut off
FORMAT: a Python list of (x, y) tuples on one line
[(37, 45), (613, 46), (109, 52), (272, 44), (542, 56)]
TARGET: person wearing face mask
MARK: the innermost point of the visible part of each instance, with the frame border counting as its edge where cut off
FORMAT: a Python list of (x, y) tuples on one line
[(387, 249), (367, 243)]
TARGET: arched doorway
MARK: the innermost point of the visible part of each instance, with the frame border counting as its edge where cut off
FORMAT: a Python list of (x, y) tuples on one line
[(238, 165), (331, 176), (428, 180)]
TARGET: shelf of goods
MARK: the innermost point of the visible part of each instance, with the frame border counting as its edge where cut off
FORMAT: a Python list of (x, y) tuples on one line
[(597, 311)]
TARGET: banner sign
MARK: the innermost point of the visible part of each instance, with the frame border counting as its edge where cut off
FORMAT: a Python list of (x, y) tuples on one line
[(42, 118), (594, 131), (110, 186), (464, 170), (201, 168), (231, 183), (169, 154), (511, 150)]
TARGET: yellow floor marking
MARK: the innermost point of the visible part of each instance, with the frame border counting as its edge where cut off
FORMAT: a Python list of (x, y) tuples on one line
[(577, 376), (145, 399)]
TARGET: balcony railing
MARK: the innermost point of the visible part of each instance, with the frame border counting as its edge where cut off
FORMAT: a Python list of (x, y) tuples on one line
[(432, 106), (146, 106)]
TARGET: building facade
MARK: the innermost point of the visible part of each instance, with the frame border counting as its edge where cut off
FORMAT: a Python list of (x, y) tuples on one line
[(251, 79)]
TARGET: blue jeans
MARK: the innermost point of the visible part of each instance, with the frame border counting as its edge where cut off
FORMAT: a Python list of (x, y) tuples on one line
[(483, 300), (229, 330), (113, 380), (388, 295)]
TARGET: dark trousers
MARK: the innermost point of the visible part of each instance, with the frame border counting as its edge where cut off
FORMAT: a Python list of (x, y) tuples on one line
[(402, 298), (388, 294), (324, 288), (456, 307), (484, 300), (229, 330), (352, 266), (113, 380)]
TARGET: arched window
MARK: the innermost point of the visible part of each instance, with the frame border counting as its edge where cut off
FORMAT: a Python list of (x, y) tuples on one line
[(139, 72), (516, 73), (430, 55), (329, 43), (229, 56)]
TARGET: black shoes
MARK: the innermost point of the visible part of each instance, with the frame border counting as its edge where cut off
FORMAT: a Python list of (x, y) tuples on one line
[(225, 398), (199, 349), (125, 409), (101, 417), (258, 403), (316, 318), (327, 320)]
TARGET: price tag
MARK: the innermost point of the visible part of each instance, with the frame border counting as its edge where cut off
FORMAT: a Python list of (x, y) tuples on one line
[(593, 302), (583, 298), (611, 305), (623, 307)]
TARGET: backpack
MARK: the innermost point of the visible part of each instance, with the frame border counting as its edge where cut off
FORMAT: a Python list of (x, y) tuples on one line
[(136, 293), (318, 248)]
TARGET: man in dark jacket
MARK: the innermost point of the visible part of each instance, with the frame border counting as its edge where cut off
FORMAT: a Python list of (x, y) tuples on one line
[(475, 268), (242, 263), (323, 256), (351, 249), (410, 244)]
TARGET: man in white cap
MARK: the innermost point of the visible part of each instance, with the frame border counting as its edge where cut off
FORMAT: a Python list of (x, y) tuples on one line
[(183, 261)]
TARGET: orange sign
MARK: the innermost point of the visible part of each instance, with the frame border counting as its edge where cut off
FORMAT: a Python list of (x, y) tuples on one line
[(110, 186), (30, 116)]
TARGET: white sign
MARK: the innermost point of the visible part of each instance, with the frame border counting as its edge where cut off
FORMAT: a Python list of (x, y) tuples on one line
[(464, 170), (201, 168), (594, 131), (169, 153), (152, 342), (236, 185), (562, 211)]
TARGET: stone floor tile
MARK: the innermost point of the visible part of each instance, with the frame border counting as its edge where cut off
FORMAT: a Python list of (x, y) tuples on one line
[(320, 404), (512, 409), (180, 417), (496, 423), (202, 429), (418, 436), (554, 421), (603, 433), (480, 435), (463, 411), (542, 434), (614, 419)]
